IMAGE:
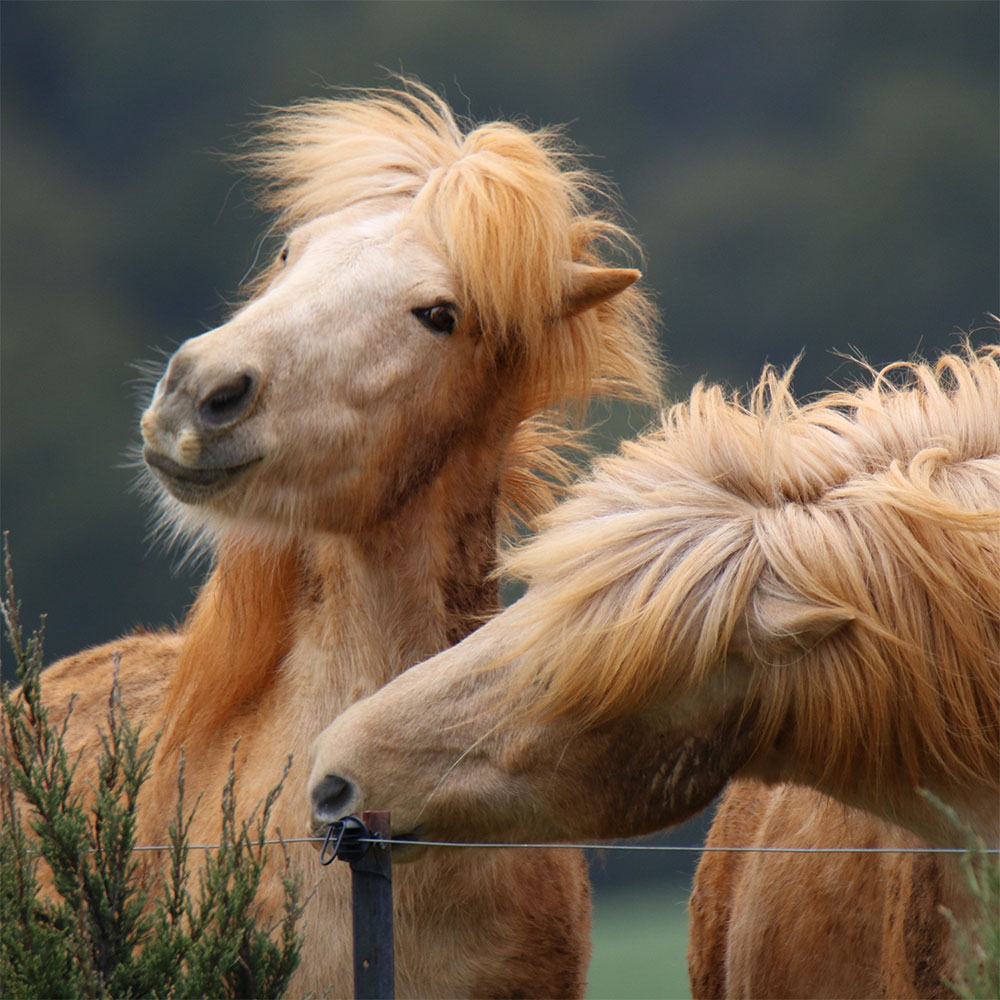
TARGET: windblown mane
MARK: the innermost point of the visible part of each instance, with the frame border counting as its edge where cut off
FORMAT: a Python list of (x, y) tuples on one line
[(853, 542), (510, 209)]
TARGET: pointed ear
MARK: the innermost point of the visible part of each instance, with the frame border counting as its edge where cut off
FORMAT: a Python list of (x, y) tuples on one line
[(590, 286), (784, 622)]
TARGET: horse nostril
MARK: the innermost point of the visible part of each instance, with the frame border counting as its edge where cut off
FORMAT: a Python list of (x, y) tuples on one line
[(331, 798), (228, 402)]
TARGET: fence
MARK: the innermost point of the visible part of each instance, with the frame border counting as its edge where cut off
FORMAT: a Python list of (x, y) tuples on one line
[(365, 843)]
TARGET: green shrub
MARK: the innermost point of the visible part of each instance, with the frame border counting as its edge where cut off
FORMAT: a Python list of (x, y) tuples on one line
[(102, 932), (977, 940)]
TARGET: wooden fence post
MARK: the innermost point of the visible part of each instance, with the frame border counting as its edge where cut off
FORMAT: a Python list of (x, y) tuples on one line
[(371, 881)]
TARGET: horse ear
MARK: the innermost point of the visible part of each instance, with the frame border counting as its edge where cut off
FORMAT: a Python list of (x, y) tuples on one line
[(590, 286), (785, 622)]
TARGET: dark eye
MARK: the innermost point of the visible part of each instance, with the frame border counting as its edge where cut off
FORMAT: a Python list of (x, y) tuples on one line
[(283, 256), (438, 319)]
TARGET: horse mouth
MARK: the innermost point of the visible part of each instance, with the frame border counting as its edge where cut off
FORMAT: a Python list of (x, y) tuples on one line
[(405, 847), (193, 485)]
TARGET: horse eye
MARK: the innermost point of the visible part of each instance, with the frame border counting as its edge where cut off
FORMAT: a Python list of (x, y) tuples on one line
[(438, 319)]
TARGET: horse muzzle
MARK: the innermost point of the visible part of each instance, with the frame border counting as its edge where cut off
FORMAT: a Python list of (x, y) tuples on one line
[(195, 434)]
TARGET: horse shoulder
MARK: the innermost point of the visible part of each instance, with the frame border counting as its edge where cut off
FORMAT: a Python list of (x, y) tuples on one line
[(790, 925), (919, 957), (76, 694), (834, 925)]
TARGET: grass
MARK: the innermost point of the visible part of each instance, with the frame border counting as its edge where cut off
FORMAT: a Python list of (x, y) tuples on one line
[(640, 945)]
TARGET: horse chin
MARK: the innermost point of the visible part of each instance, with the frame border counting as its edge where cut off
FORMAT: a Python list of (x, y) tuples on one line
[(193, 485)]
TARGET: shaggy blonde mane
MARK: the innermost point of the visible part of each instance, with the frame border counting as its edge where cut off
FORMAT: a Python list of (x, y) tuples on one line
[(848, 548)]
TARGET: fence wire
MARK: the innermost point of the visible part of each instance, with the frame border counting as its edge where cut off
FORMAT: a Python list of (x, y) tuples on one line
[(318, 841)]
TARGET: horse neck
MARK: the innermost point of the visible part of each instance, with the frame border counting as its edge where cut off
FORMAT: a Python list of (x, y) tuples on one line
[(970, 805), (233, 641), (384, 600), (974, 806), (331, 618)]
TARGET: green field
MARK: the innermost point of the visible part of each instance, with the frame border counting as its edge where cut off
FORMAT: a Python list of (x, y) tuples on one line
[(640, 945)]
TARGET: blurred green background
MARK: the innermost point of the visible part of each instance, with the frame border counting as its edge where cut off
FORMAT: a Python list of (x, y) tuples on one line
[(804, 177)]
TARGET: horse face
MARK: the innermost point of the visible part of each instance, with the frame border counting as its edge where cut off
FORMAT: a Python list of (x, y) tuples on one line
[(444, 750), (329, 398)]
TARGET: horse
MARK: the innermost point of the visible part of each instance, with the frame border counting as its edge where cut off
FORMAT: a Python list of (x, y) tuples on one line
[(822, 925), (350, 446), (803, 596)]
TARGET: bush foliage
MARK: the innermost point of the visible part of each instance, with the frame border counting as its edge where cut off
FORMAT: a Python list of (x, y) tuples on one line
[(978, 940), (105, 924)]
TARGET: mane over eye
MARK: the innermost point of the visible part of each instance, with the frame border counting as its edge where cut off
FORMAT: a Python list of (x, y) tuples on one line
[(439, 318)]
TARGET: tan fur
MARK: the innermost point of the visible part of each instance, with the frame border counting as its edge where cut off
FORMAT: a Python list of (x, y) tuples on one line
[(832, 925), (379, 462), (784, 592)]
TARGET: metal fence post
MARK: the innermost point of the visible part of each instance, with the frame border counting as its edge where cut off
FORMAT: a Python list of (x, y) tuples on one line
[(371, 882)]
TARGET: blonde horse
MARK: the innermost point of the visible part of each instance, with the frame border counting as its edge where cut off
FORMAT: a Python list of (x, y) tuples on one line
[(783, 592), (349, 444)]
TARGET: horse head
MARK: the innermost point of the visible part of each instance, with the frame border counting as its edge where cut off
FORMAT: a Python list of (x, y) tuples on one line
[(434, 290)]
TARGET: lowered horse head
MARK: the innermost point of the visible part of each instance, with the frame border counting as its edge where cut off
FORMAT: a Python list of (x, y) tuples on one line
[(435, 290), (794, 592)]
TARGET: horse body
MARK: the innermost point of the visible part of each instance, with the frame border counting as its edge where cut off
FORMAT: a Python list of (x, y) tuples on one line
[(804, 594), (831, 925), (464, 925), (349, 444)]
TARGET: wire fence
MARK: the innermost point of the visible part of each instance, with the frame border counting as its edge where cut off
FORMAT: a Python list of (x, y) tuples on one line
[(691, 848)]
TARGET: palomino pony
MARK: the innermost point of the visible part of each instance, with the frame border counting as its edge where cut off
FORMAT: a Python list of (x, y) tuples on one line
[(349, 444), (780, 592)]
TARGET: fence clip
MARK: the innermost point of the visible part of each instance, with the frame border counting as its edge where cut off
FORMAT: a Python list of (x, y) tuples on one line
[(348, 839)]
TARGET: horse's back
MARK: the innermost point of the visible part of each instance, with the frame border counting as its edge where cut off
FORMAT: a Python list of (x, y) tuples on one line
[(81, 684), (813, 925)]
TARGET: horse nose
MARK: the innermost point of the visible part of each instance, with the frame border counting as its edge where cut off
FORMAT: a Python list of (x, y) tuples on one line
[(331, 799), (228, 401), (201, 396)]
